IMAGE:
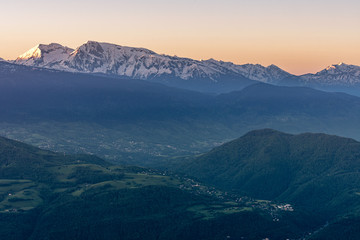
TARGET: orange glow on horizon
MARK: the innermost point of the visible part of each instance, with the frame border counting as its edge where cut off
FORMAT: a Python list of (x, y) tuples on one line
[(296, 36)]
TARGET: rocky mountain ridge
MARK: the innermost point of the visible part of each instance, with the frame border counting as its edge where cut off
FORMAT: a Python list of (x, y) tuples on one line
[(204, 75)]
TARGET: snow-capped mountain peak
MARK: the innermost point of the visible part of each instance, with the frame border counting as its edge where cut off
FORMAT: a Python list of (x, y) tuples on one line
[(340, 69), (336, 74), (44, 55), (33, 53), (96, 57), (101, 50)]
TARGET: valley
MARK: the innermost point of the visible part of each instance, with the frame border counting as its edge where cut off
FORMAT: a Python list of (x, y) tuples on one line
[(47, 188)]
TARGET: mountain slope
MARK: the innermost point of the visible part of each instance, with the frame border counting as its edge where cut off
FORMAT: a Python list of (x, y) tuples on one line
[(44, 55), (257, 72), (22, 161), (336, 78), (315, 171), (337, 75), (291, 109)]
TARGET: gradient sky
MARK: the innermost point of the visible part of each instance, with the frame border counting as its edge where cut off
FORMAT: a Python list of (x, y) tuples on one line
[(298, 36)]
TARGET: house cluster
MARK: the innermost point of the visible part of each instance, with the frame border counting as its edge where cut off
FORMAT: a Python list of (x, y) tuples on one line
[(285, 207)]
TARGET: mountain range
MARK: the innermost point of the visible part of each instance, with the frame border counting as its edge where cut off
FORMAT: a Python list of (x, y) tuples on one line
[(205, 75), (133, 121)]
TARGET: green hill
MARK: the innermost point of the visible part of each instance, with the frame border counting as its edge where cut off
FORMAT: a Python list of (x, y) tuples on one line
[(314, 172), (45, 195)]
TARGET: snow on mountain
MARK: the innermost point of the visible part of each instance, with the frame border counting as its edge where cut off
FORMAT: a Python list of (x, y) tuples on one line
[(95, 57), (44, 55), (139, 63), (257, 72), (338, 74)]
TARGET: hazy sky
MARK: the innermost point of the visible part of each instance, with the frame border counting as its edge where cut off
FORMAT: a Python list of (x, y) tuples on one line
[(298, 36)]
